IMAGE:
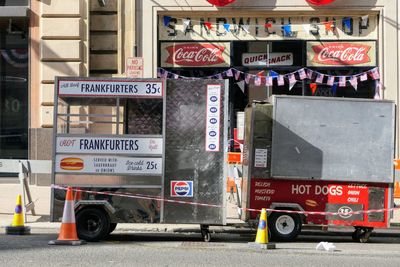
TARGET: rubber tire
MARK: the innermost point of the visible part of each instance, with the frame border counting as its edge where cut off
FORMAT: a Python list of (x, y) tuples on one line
[(112, 227), (276, 235), (102, 227), (361, 235)]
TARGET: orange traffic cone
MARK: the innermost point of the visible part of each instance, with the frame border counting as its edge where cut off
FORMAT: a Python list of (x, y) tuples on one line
[(68, 234), (262, 233), (17, 226)]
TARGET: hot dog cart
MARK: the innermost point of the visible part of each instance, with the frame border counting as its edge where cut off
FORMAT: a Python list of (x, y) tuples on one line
[(329, 159), (136, 148)]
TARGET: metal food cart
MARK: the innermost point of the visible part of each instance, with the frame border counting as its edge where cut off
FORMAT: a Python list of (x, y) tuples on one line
[(136, 148), (328, 160)]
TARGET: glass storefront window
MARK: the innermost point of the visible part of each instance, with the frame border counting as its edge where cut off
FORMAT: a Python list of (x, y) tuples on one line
[(14, 88)]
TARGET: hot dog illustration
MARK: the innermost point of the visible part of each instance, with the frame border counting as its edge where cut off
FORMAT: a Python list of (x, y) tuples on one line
[(71, 164), (311, 203)]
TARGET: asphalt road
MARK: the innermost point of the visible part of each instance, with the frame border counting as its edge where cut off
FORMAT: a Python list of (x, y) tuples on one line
[(187, 249)]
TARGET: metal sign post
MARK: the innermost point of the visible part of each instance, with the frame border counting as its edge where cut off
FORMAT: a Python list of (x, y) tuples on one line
[(24, 168)]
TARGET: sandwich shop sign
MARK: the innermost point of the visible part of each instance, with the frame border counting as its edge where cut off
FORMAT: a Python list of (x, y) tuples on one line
[(246, 28)]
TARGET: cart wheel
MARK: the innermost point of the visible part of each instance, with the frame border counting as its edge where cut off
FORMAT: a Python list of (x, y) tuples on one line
[(284, 226), (206, 236), (92, 224), (361, 234), (112, 227)]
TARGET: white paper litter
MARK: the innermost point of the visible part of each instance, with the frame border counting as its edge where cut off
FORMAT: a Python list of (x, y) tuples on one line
[(326, 246)]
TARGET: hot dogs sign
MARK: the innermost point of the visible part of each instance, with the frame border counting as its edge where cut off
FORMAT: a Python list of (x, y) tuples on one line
[(75, 154)]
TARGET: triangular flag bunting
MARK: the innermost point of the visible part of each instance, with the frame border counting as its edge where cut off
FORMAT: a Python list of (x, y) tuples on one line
[(246, 28), (241, 85), (375, 74), (378, 88), (363, 77), (320, 78), (229, 73), (247, 78), (167, 20), (186, 23), (342, 81), (313, 87), (268, 81), (307, 28), (328, 26), (237, 75), (227, 27), (310, 74), (331, 80), (281, 81), (208, 25), (347, 23), (287, 30), (334, 89), (354, 82), (364, 21), (268, 25), (302, 74)]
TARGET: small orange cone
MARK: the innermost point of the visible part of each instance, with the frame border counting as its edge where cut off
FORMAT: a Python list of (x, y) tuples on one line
[(262, 233), (17, 226), (68, 234)]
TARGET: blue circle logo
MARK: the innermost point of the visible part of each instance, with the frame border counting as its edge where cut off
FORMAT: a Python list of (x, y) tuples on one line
[(212, 146), (213, 99), (213, 120), (213, 109), (212, 133)]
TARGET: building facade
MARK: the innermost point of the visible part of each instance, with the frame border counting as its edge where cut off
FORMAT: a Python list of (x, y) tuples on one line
[(264, 47)]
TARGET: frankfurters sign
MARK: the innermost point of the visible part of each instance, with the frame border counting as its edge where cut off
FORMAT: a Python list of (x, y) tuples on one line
[(110, 145), (341, 54), (108, 165), (264, 59), (112, 87)]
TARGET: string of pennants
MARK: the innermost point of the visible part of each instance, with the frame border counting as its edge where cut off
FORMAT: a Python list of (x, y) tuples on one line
[(287, 29), (272, 77)]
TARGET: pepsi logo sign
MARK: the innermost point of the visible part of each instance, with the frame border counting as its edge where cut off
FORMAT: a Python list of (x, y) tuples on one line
[(181, 188), (213, 109), (213, 99)]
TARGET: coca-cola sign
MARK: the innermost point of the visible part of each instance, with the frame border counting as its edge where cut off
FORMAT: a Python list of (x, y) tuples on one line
[(341, 54), (195, 55)]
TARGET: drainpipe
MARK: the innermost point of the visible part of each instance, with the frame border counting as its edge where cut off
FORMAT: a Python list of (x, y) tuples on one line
[(138, 29)]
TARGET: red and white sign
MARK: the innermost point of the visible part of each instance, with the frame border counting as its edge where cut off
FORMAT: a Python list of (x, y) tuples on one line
[(263, 59), (318, 197), (111, 164), (341, 54), (134, 67), (110, 145), (195, 55)]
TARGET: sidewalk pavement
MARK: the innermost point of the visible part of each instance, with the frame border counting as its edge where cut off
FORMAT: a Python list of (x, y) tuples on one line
[(41, 196)]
